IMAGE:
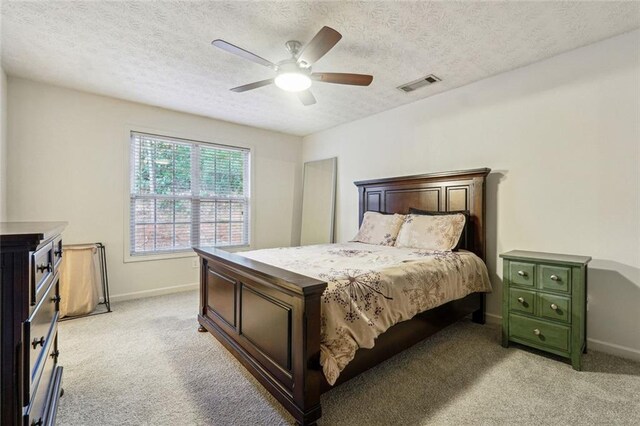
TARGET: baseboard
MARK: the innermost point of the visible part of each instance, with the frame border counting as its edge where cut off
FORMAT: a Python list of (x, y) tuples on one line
[(493, 319), (596, 345), (613, 349), (154, 292)]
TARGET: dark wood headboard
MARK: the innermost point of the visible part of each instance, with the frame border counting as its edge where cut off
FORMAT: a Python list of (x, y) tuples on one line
[(443, 191)]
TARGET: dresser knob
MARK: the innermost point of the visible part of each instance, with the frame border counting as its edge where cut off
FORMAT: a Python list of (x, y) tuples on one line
[(555, 277), (37, 422), (522, 273), (44, 267), (37, 342), (554, 306), (536, 332), (521, 299)]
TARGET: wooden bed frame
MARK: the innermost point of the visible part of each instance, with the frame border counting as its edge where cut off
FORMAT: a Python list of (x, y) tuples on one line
[(269, 318)]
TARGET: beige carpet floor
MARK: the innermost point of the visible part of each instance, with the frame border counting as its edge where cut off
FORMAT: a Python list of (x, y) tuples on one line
[(145, 364)]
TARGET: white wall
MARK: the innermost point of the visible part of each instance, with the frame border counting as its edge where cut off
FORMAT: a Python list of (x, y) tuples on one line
[(66, 155), (3, 145), (562, 137)]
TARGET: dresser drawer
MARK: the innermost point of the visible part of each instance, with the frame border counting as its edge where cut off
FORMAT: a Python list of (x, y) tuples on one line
[(522, 300), (39, 330), (521, 273), (41, 271), (554, 278), (540, 333), (57, 253), (38, 406), (554, 307)]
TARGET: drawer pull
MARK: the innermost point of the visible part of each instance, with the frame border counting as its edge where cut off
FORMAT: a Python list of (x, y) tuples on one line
[(37, 423), (56, 298), (554, 306), (536, 332), (37, 342), (58, 253), (555, 277), (44, 267), (522, 273), (55, 354), (521, 299)]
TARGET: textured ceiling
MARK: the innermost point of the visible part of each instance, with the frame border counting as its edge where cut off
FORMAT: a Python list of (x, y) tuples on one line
[(159, 53)]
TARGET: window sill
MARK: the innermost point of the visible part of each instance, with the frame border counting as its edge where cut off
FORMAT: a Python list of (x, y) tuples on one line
[(177, 255), (230, 249)]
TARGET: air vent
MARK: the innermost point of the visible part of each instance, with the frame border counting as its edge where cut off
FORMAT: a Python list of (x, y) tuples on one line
[(421, 82)]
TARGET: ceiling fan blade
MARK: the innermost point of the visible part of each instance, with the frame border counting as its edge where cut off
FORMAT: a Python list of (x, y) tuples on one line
[(343, 78), (252, 86), (319, 45), (306, 97), (242, 53)]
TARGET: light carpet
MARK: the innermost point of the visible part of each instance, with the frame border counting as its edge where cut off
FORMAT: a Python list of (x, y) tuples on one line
[(146, 364)]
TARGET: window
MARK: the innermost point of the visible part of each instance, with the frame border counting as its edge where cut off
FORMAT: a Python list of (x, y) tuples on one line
[(186, 193)]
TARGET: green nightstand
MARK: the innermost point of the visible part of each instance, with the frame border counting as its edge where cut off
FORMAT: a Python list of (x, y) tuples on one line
[(544, 302)]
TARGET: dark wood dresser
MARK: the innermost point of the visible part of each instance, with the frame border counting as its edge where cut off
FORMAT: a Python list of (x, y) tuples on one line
[(30, 376)]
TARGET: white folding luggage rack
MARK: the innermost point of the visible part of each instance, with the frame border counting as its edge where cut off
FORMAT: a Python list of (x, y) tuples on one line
[(104, 281)]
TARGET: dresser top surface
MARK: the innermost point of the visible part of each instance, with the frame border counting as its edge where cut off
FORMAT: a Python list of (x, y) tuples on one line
[(546, 257), (17, 232)]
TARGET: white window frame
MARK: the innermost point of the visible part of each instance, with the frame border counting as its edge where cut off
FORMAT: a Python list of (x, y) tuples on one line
[(127, 256)]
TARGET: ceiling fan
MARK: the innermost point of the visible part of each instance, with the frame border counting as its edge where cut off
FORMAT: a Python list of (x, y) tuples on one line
[(294, 74)]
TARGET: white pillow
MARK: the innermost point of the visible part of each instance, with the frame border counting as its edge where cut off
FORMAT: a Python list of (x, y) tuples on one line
[(379, 229), (438, 232)]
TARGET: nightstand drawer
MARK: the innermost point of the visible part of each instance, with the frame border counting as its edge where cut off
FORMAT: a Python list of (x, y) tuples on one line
[(542, 333), (554, 278), (521, 273), (522, 300), (554, 307)]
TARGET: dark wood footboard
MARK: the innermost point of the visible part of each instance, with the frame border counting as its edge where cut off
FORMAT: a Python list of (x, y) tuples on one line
[(269, 319)]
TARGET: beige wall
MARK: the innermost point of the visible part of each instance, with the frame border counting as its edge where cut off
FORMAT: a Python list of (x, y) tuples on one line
[(3, 145), (66, 157), (562, 137)]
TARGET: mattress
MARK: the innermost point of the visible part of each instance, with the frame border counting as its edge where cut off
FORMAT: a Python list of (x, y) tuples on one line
[(371, 288)]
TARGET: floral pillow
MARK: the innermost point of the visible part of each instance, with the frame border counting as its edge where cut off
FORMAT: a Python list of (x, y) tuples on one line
[(431, 232), (379, 229)]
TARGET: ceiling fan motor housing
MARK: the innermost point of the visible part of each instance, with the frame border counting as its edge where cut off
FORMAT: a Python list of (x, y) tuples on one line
[(290, 65)]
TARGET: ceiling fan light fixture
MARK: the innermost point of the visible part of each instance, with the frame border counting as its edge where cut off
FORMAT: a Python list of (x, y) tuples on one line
[(294, 74), (293, 81)]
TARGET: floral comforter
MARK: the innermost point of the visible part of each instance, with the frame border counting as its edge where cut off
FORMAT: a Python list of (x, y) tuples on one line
[(371, 288)]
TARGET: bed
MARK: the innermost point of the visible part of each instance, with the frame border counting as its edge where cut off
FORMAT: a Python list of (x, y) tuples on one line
[(270, 318)]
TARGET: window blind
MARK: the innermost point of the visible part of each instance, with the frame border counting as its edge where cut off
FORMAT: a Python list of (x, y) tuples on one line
[(186, 193)]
